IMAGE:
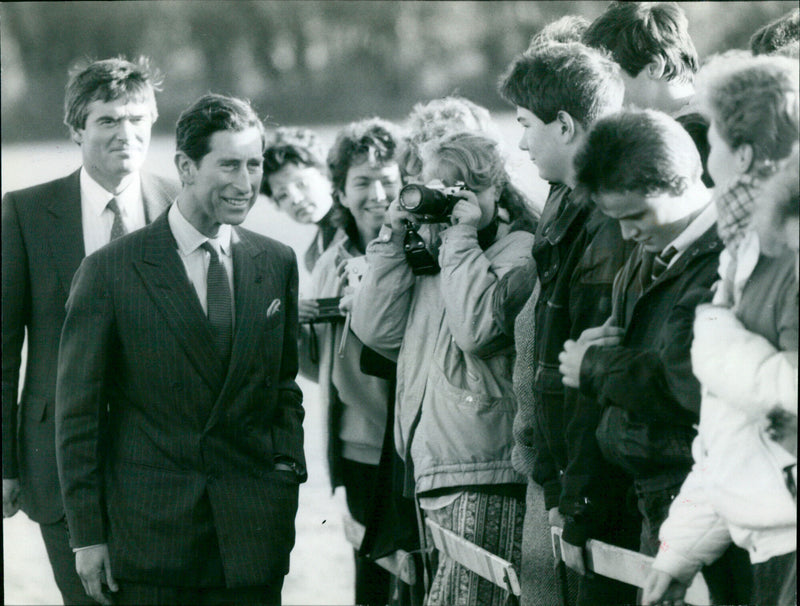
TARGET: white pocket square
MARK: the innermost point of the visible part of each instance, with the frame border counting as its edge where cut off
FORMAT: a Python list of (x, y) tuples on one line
[(273, 308)]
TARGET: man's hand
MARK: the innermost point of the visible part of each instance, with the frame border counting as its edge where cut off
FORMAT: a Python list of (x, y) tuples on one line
[(555, 518), (661, 588), (10, 497), (571, 358), (94, 568), (467, 211), (307, 310), (573, 557)]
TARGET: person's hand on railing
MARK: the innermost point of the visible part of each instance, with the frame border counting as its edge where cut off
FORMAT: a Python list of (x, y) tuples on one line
[(660, 588)]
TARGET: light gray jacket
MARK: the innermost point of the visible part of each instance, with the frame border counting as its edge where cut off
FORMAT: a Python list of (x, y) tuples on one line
[(455, 404)]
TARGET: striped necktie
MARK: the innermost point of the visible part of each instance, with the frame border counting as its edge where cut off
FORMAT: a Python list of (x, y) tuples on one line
[(117, 227), (218, 300), (661, 262)]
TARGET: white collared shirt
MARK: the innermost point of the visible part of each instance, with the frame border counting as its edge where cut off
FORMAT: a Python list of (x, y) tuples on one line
[(97, 219), (695, 229), (195, 259)]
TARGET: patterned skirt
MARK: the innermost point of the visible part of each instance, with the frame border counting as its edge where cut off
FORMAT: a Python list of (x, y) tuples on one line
[(491, 521)]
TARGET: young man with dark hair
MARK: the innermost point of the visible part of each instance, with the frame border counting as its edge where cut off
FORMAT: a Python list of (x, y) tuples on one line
[(650, 41), (559, 91), (178, 420), (642, 169), (109, 108)]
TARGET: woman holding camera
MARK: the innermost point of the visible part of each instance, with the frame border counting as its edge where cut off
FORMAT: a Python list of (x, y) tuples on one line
[(365, 178), (454, 405)]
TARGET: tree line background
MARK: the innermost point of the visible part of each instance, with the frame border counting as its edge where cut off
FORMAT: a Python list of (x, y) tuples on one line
[(302, 61)]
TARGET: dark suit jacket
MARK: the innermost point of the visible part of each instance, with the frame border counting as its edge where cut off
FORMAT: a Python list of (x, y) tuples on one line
[(159, 445), (42, 247)]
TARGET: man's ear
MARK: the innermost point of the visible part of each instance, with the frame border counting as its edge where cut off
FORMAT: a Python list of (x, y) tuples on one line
[(567, 127), (338, 196), (744, 158), (76, 135), (656, 68), (186, 167)]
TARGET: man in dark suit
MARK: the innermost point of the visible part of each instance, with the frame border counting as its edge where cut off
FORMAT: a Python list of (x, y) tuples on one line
[(47, 230), (178, 419)]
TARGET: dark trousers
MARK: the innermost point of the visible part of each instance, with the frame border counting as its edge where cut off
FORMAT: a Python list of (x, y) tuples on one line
[(62, 561), (141, 594), (775, 581), (372, 581)]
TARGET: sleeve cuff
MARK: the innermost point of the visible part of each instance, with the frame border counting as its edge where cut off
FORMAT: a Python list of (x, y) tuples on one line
[(676, 565)]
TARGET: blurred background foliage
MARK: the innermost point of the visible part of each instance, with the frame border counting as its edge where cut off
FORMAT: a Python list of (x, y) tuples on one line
[(300, 62)]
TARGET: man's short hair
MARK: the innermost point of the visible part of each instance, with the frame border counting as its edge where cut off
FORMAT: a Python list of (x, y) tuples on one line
[(371, 139), (753, 101), (635, 33), (109, 80), (568, 77), (641, 151), (569, 28), (777, 34), (289, 145), (696, 124), (209, 114)]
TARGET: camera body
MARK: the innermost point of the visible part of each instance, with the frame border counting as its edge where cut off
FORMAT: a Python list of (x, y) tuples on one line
[(428, 204)]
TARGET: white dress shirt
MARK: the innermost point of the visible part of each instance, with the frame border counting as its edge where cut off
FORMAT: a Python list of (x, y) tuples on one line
[(97, 219), (195, 259)]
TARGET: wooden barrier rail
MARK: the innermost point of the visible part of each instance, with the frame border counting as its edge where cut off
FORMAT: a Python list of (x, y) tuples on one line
[(400, 563), (488, 565), (625, 565)]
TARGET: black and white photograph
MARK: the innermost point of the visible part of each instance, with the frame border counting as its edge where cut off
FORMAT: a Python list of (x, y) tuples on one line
[(400, 303)]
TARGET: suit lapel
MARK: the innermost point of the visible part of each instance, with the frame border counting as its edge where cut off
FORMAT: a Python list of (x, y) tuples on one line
[(250, 284), (65, 230), (164, 276)]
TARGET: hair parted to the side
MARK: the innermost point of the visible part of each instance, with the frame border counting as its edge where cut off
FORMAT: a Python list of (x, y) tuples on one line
[(642, 151), (209, 114), (777, 35), (569, 28), (369, 140), (291, 145), (436, 118), (753, 101), (635, 33), (476, 160), (569, 77), (108, 80)]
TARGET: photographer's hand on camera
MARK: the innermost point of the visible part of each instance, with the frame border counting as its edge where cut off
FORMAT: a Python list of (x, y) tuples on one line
[(466, 211), (398, 217)]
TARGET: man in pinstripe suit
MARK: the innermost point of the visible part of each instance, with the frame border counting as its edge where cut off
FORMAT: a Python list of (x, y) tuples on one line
[(178, 420), (48, 229)]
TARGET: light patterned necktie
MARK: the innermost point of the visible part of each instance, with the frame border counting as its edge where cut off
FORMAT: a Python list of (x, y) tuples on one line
[(218, 301), (117, 227)]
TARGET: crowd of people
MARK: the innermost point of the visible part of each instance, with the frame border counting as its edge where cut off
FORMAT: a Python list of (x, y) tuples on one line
[(620, 362)]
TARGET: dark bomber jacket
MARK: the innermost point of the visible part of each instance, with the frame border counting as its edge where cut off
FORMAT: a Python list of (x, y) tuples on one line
[(577, 251), (645, 385)]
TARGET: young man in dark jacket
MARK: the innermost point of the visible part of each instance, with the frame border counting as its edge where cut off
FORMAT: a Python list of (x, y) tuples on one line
[(642, 169), (559, 91)]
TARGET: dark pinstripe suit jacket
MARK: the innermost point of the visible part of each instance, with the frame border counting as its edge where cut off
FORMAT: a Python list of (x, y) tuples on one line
[(159, 446), (42, 248)]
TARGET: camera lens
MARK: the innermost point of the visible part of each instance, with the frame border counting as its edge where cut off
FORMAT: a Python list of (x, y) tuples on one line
[(410, 197)]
